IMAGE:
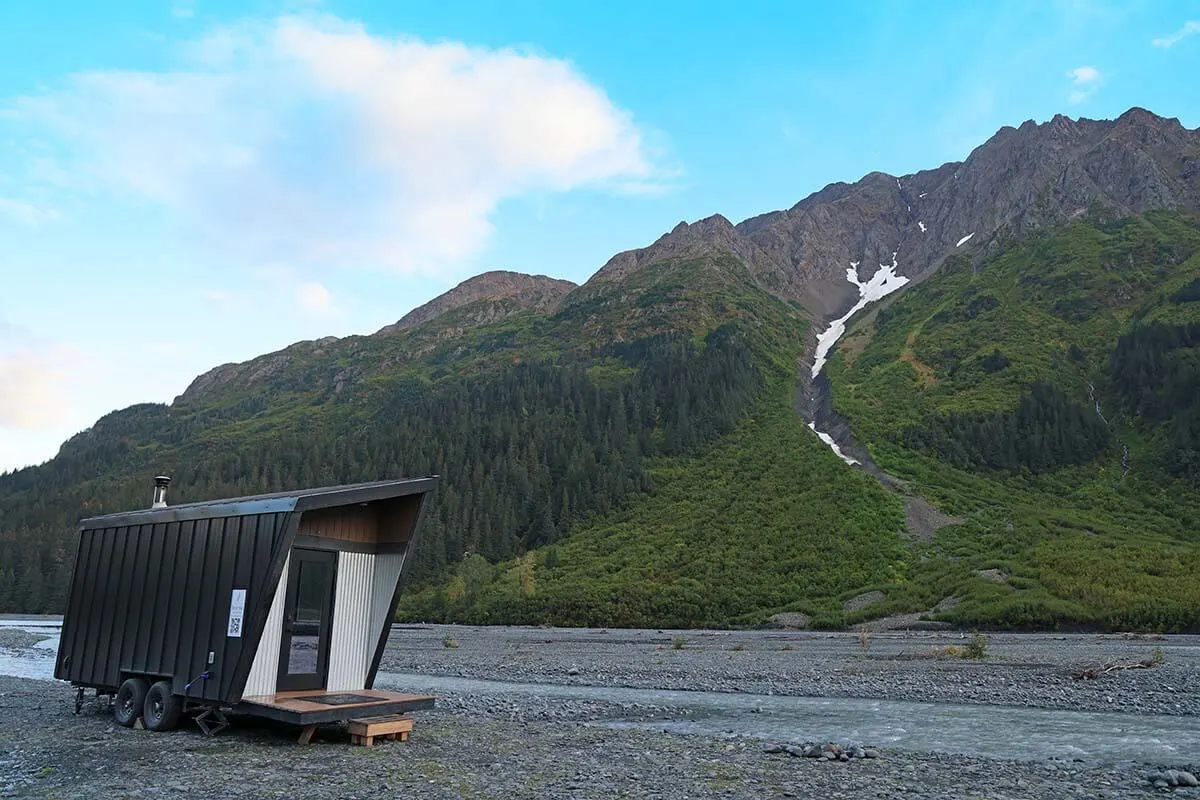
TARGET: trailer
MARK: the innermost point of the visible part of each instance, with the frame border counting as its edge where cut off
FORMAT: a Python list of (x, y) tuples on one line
[(275, 605)]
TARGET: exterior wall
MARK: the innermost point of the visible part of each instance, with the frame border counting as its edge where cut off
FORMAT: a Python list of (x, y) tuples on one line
[(352, 642), (365, 585), (265, 669), (387, 573), (154, 598)]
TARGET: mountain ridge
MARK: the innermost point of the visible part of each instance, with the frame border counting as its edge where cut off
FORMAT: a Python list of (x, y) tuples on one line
[(1022, 179), (536, 292), (924, 215), (801, 253), (495, 295)]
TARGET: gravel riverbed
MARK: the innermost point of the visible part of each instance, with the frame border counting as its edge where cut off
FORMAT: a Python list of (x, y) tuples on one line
[(1030, 670), (517, 745)]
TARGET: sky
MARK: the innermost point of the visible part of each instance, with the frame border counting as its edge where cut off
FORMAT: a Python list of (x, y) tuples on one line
[(188, 183)]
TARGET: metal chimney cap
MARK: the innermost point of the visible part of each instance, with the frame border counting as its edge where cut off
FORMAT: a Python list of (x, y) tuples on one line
[(160, 491)]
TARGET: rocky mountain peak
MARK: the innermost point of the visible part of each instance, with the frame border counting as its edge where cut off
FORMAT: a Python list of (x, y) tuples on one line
[(537, 292), (1024, 178), (510, 291)]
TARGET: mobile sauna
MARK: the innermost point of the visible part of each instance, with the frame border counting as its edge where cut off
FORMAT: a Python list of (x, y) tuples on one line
[(277, 605)]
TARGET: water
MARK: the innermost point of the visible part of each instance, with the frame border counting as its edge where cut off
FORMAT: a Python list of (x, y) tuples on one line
[(38, 662), (988, 731)]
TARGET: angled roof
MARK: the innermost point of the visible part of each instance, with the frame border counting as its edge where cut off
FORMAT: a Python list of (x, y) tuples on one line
[(274, 503)]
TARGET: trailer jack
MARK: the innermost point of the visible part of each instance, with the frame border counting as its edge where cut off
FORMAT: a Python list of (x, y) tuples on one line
[(212, 721)]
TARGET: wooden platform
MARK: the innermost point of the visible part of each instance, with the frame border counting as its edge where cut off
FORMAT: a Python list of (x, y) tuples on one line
[(289, 707), (366, 730)]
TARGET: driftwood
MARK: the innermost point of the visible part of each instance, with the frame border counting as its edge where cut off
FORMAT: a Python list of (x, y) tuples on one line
[(1100, 670)]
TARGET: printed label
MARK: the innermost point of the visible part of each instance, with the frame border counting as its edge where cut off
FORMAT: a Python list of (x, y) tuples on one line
[(237, 609)]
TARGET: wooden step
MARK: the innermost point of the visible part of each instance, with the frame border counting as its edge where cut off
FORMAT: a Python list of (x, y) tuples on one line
[(365, 730)]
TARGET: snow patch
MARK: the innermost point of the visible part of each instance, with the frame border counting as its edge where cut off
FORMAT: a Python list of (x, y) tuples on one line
[(922, 194), (898, 186), (827, 439), (921, 225), (965, 239), (882, 283)]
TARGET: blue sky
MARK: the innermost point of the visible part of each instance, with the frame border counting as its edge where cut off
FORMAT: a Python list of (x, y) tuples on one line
[(188, 183)]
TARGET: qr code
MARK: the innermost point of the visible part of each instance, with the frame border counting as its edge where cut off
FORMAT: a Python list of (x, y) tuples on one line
[(235, 627)]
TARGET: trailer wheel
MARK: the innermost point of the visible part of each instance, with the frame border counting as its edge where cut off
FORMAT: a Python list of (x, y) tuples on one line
[(162, 707), (127, 705)]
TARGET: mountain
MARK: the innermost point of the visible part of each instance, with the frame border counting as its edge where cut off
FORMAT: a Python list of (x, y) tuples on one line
[(502, 293), (628, 451), (489, 297), (1047, 402), (1021, 180)]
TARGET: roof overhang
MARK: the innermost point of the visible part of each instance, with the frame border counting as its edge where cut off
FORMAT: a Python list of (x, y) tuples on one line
[(276, 503)]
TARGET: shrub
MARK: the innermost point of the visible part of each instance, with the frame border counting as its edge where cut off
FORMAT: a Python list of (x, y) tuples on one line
[(864, 637), (976, 648)]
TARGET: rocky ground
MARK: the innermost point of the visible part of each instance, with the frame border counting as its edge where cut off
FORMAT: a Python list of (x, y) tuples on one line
[(1032, 670), (515, 746)]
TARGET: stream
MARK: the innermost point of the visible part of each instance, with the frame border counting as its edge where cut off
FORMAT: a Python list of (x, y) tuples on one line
[(1001, 732), (36, 662)]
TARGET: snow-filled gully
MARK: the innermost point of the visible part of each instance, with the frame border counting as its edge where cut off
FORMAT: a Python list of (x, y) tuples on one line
[(885, 281)]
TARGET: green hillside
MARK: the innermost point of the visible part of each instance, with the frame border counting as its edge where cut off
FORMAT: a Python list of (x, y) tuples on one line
[(766, 519), (979, 387), (975, 388), (535, 422)]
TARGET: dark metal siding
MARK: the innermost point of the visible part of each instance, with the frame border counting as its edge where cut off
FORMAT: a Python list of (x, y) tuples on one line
[(153, 599)]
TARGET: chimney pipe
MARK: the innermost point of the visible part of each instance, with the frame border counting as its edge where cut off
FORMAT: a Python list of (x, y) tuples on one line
[(161, 482)]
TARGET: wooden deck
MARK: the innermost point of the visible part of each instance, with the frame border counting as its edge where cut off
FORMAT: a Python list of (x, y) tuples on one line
[(290, 707)]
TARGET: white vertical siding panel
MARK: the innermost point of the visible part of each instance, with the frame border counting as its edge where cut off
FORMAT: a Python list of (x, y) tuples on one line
[(351, 622), (387, 572), (265, 668)]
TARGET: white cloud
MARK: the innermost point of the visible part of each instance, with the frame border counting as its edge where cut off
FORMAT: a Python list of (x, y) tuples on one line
[(1084, 82), (35, 386), (311, 141), (313, 296), (1083, 76), (26, 213), (1189, 28)]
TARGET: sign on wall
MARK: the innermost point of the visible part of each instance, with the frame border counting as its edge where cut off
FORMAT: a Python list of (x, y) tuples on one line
[(237, 610)]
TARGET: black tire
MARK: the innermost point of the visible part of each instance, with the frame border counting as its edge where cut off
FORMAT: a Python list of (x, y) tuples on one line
[(129, 700), (162, 708)]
